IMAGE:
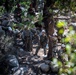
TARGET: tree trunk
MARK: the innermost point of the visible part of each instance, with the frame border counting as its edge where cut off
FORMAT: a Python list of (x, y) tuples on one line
[(6, 5), (49, 25), (50, 33)]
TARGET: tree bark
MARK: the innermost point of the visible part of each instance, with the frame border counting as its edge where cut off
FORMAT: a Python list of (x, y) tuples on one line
[(49, 25), (50, 34)]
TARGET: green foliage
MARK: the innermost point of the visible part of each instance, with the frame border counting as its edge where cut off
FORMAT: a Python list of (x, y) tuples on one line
[(61, 24), (2, 10), (69, 40), (25, 4), (73, 5)]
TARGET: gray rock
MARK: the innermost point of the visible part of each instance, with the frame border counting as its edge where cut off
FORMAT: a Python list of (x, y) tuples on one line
[(54, 67), (44, 67), (47, 62)]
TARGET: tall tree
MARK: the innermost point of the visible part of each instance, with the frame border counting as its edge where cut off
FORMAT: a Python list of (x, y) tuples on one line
[(48, 16), (49, 23)]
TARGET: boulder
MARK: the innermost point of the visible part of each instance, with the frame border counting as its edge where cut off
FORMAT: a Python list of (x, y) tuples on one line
[(54, 67), (47, 62), (44, 67)]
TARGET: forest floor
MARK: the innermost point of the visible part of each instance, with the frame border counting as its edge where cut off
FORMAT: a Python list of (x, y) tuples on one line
[(33, 63)]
